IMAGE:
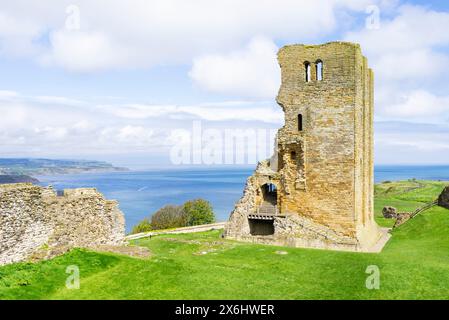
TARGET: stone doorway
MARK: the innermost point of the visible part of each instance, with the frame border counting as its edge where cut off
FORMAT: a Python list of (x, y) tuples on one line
[(269, 202), (269, 193)]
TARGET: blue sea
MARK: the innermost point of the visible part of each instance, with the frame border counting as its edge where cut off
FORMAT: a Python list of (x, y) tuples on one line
[(141, 193)]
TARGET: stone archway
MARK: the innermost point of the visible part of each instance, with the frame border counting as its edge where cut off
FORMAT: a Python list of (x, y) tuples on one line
[(262, 224), (269, 193), (269, 199)]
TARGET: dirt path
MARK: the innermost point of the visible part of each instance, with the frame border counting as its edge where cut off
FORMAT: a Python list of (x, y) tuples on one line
[(200, 228)]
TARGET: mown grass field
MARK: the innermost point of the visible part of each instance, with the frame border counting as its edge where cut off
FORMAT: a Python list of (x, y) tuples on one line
[(413, 265)]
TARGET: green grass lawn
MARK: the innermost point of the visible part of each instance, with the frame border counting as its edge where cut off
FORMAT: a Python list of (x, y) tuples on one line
[(413, 265)]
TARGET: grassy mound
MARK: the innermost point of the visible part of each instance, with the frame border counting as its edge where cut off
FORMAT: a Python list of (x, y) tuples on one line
[(413, 265)]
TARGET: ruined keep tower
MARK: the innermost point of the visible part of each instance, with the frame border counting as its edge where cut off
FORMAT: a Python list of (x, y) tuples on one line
[(317, 189)]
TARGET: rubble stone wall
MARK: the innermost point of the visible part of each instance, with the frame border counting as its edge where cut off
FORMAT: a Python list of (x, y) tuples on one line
[(33, 218)]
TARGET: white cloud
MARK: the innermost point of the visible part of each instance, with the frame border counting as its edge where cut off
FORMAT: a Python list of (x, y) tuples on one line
[(135, 133), (6, 94), (408, 54), (57, 100), (232, 47), (61, 126), (227, 111), (138, 111), (262, 114), (253, 71), (49, 133), (412, 28), (416, 146), (424, 143), (141, 33), (415, 64), (17, 34), (419, 106), (85, 51), (407, 46)]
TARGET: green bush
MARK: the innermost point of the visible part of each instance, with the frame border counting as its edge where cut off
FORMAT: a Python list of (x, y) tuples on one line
[(198, 211), (191, 213), (168, 217), (142, 226)]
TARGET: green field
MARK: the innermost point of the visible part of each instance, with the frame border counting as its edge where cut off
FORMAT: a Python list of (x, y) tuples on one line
[(413, 265)]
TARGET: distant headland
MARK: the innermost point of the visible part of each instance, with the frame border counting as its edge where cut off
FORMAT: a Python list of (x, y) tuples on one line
[(17, 178), (36, 167)]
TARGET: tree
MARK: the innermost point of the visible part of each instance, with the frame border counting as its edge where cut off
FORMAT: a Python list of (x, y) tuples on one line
[(168, 217), (142, 226), (191, 213), (198, 211)]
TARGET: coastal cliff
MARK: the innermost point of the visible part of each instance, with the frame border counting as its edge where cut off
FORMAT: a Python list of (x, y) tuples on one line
[(33, 167)]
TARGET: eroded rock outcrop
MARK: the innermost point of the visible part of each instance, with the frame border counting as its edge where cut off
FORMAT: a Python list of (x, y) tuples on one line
[(443, 199), (36, 222), (389, 212)]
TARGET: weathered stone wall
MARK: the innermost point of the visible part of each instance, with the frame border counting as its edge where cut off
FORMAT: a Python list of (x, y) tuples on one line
[(34, 219), (325, 168), (289, 229)]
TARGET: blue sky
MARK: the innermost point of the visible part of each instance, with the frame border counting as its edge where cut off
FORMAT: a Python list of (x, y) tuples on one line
[(115, 80)]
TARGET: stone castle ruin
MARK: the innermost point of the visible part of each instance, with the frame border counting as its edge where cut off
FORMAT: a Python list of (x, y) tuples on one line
[(37, 222), (317, 189)]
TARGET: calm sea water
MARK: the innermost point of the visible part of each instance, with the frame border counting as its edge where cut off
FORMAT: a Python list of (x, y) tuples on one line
[(140, 193)]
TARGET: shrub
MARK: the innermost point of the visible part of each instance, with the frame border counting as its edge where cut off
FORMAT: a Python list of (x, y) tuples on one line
[(168, 217), (191, 213), (198, 211), (142, 226)]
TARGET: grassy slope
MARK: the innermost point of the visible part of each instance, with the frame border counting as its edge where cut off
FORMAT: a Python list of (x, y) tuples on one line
[(413, 265), (406, 196)]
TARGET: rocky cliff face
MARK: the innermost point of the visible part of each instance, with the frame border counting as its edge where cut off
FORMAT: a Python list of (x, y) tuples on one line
[(34, 221)]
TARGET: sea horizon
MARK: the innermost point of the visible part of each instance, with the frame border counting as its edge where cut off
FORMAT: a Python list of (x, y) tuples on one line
[(140, 193)]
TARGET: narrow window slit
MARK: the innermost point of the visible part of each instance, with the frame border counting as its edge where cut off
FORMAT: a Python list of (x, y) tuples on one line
[(299, 122)]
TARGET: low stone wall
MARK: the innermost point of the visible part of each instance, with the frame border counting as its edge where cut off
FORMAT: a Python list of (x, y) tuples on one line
[(34, 220), (192, 229)]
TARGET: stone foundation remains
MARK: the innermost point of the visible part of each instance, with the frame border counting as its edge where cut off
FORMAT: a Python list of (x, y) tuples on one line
[(35, 219)]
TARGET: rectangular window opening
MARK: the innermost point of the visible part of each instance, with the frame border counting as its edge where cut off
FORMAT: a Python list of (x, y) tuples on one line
[(260, 227)]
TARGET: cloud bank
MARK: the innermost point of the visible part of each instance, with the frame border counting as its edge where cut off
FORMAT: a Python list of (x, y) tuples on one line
[(226, 50)]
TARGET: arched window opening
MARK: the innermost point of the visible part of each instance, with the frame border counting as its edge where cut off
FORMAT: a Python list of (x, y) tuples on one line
[(270, 187), (319, 70), (299, 122), (293, 155), (308, 71)]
